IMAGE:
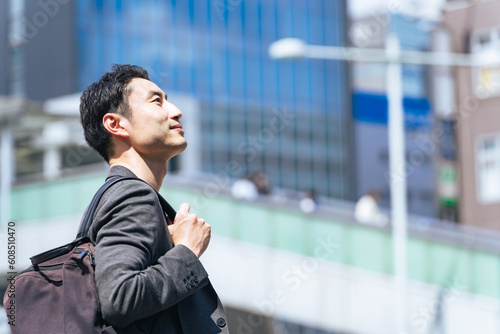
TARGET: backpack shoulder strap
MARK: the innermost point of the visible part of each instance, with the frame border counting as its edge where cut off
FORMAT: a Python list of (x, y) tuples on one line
[(87, 219), (83, 231), (167, 208)]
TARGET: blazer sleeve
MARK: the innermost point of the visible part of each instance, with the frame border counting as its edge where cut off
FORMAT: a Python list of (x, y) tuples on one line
[(133, 280)]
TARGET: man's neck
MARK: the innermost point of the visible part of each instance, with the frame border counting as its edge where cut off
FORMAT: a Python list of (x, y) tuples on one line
[(153, 172)]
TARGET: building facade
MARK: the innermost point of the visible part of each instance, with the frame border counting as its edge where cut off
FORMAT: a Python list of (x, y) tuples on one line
[(49, 49), (370, 113), (289, 120), (474, 29)]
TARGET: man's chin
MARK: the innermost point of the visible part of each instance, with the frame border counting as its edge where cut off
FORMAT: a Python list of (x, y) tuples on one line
[(178, 149)]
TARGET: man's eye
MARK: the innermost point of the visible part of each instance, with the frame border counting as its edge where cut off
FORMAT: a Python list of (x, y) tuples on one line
[(157, 100)]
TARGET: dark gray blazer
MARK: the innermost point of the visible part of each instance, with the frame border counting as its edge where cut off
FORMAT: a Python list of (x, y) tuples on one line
[(145, 284)]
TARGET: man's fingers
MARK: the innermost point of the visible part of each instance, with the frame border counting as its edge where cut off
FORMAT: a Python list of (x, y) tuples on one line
[(185, 207), (170, 229)]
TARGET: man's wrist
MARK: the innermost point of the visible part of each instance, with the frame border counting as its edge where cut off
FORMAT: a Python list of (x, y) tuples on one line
[(192, 249)]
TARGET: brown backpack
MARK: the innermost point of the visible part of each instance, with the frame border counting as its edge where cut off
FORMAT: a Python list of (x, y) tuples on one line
[(57, 293)]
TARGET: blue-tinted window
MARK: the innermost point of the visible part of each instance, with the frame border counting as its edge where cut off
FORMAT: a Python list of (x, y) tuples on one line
[(217, 51)]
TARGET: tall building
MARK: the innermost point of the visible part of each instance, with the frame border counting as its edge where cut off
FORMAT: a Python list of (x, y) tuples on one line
[(49, 49), (290, 120), (370, 113), (474, 29), (3, 47)]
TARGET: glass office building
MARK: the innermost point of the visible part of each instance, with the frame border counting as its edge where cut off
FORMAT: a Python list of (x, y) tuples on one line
[(289, 119)]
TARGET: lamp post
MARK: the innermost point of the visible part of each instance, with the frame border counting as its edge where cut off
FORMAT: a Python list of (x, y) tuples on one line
[(393, 57), (397, 178), (10, 109), (6, 154)]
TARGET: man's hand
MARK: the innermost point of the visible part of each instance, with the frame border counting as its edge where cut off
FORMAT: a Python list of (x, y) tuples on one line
[(190, 231)]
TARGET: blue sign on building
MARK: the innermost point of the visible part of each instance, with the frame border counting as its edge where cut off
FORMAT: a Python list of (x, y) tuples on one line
[(372, 108)]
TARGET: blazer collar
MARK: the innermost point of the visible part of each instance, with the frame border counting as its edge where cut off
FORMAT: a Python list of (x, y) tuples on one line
[(120, 171)]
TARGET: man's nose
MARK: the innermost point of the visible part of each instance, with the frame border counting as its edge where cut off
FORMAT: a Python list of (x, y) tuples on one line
[(174, 111)]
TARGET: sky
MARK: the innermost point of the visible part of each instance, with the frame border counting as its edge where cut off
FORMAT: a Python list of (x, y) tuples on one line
[(429, 9)]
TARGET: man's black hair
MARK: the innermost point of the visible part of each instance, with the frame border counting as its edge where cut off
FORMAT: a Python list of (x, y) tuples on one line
[(108, 95)]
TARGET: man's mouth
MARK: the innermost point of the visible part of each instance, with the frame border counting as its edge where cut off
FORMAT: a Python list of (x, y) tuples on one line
[(177, 127)]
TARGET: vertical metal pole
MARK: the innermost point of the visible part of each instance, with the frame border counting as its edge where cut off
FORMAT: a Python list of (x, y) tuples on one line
[(5, 175), (397, 177)]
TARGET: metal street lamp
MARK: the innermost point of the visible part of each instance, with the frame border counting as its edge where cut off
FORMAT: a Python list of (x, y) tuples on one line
[(297, 48), (394, 57)]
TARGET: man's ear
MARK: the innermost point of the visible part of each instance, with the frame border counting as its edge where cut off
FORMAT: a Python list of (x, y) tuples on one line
[(113, 123)]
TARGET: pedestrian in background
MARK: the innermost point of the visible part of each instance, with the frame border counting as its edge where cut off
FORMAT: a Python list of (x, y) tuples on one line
[(367, 210)]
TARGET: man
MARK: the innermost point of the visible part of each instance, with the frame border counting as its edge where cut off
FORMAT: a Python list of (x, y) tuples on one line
[(367, 210), (148, 275)]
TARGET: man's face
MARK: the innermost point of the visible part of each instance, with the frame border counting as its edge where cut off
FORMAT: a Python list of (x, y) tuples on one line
[(154, 127)]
